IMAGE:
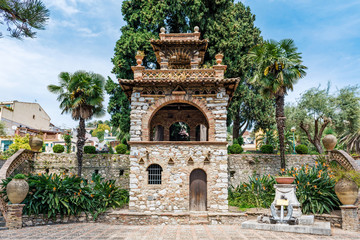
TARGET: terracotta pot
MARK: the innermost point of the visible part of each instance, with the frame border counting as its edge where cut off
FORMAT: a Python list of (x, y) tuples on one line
[(284, 180), (347, 191), (329, 142), (16, 190), (35, 143)]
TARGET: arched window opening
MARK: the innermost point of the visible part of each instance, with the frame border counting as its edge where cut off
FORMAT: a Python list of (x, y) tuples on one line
[(158, 133), (179, 131), (177, 122), (154, 174), (201, 133)]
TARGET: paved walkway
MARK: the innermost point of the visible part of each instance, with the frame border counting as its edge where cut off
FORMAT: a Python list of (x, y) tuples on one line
[(159, 232)]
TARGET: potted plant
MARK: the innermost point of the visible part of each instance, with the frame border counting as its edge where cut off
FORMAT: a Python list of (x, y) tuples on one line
[(36, 142), (17, 189), (347, 186), (284, 179)]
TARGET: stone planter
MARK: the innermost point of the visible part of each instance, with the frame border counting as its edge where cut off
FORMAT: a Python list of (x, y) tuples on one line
[(35, 143), (329, 142), (16, 190), (347, 191), (284, 180)]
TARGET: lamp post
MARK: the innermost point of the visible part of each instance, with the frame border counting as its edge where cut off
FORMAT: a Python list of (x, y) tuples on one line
[(293, 129)]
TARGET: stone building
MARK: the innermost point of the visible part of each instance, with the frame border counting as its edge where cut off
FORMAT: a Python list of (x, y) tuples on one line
[(178, 157)]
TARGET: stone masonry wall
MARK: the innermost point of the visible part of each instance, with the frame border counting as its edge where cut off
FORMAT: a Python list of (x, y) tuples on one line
[(109, 166), (173, 193), (143, 108), (241, 166)]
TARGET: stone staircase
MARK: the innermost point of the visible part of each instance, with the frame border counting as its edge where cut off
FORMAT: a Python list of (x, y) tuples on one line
[(199, 218), (2, 223)]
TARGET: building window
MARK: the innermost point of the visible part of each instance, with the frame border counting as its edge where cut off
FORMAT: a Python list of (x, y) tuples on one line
[(154, 174)]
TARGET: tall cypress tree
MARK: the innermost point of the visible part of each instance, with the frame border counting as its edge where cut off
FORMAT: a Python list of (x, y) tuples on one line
[(228, 26)]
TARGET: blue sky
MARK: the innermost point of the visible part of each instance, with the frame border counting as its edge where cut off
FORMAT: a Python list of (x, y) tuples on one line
[(81, 34)]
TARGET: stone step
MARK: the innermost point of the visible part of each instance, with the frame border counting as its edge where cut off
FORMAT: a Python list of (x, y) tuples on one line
[(199, 222), (199, 218)]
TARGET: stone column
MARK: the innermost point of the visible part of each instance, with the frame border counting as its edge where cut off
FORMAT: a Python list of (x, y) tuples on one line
[(350, 218), (14, 216)]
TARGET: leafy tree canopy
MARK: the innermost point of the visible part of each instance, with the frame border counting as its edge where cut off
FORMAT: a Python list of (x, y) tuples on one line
[(22, 16), (20, 143), (228, 26), (317, 110)]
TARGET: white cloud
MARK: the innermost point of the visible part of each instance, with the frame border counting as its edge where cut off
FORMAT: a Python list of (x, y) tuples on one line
[(63, 5)]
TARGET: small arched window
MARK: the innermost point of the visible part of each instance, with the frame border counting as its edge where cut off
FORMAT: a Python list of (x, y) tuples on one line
[(154, 174)]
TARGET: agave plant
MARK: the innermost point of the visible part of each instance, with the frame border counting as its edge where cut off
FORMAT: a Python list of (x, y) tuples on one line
[(352, 141)]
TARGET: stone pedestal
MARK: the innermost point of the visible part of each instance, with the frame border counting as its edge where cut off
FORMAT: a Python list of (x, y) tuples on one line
[(350, 218), (287, 191), (14, 216)]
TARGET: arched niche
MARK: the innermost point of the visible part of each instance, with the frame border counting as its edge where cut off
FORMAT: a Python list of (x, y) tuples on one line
[(153, 109), (175, 117)]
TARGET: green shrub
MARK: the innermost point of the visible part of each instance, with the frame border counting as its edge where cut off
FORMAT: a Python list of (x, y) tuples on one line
[(258, 192), (267, 148), (121, 149), (89, 149), (301, 149), (19, 176), (66, 195), (314, 153), (57, 148), (111, 150), (235, 149), (240, 140), (315, 188)]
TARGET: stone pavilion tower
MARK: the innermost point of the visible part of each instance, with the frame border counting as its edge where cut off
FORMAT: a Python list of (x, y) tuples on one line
[(178, 156)]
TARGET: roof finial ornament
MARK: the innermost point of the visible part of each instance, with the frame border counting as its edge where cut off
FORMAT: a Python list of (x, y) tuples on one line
[(139, 57), (196, 29), (162, 30), (219, 58)]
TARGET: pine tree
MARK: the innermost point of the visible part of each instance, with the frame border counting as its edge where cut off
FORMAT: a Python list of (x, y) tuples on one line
[(21, 16)]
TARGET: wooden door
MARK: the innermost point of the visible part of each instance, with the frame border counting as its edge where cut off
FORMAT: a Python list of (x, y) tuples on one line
[(198, 190)]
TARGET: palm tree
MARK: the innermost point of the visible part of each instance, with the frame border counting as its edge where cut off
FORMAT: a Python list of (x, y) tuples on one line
[(80, 94), (278, 66)]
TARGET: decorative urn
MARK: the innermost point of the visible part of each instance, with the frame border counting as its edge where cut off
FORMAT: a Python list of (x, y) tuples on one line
[(16, 190), (284, 180), (347, 191), (35, 143), (219, 57), (139, 57), (329, 142)]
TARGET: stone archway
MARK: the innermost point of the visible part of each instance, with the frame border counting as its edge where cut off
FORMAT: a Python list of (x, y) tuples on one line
[(198, 190), (146, 122)]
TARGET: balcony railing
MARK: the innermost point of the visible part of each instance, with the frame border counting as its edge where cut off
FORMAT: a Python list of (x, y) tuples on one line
[(180, 74)]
